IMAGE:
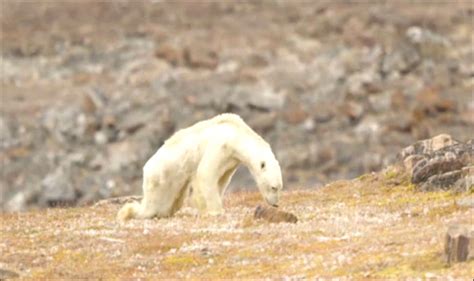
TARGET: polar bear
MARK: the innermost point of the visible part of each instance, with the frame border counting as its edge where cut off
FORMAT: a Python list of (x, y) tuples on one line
[(200, 161)]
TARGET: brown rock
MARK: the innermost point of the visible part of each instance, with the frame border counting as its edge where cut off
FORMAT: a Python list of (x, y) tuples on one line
[(430, 102), (353, 110), (467, 117), (199, 57), (323, 112), (169, 53), (398, 100), (295, 114), (247, 74), (400, 123), (459, 243), (273, 215), (93, 100)]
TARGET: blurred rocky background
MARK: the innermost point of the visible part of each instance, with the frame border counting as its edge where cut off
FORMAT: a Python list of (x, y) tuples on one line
[(90, 90)]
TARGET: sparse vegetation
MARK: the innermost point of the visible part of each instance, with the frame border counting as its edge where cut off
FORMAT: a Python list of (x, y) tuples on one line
[(367, 227)]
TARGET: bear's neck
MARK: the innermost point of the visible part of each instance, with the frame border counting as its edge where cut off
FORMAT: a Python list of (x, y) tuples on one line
[(246, 149)]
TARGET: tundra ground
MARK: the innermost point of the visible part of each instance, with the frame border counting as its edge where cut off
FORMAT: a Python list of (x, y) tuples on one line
[(374, 226)]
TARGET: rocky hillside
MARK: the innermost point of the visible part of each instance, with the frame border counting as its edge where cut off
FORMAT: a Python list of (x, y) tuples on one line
[(375, 226), (91, 90)]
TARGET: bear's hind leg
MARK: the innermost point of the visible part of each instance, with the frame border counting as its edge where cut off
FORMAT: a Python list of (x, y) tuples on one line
[(179, 201)]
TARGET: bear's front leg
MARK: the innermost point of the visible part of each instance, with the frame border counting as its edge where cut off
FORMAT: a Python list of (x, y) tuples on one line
[(207, 195)]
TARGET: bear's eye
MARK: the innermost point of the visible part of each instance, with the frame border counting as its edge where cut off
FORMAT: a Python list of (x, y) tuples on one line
[(262, 165)]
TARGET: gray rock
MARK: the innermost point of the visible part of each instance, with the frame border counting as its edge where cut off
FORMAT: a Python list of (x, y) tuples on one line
[(6, 133), (105, 135), (66, 124), (58, 188), (128, 156), (403, 59), (260, 97), (94, 100), (17, 203), (467, 202), (364, 82), (428, 146), (440, 163), (263, 122), (430, 44)]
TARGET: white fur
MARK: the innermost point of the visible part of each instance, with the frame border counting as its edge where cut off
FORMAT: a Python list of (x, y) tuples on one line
[(201, 160)]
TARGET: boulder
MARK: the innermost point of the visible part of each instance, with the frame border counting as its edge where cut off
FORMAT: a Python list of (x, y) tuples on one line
[(440, 163), (273, 215), (459, 243)]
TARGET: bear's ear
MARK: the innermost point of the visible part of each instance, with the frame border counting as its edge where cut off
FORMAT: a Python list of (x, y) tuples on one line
[(262, 165)]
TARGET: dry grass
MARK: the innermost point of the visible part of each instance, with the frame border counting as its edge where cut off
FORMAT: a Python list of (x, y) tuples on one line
[(375, 226)]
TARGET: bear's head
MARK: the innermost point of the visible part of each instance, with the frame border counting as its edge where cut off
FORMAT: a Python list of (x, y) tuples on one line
[(267, 173)]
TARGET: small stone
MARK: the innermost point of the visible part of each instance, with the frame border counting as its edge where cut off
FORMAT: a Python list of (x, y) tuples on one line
[(93, 101), (466, 202), (353, 110), (272, 215), (100, 138), (8, 274), (459, 243), (267, 99), (398, 100), (429, 43), (295, 114)]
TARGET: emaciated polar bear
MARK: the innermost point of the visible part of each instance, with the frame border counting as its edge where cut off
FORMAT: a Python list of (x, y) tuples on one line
[(200, 161)]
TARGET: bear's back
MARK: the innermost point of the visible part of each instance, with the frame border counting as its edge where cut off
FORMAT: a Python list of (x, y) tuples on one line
[(196, 130)]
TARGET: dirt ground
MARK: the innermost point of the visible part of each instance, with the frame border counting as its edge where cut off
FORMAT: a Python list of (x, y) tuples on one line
[(375, 226)]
